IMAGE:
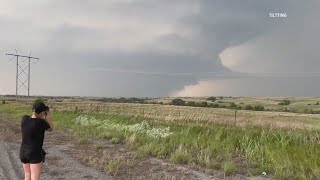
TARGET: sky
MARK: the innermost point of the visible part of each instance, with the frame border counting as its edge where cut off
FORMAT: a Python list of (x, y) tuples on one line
[(157, 48)]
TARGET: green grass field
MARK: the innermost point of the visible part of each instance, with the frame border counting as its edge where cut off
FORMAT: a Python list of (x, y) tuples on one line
[(198, 136), (297, 104)]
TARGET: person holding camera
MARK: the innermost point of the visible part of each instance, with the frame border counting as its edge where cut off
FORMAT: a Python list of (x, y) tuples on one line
[(33, 129)]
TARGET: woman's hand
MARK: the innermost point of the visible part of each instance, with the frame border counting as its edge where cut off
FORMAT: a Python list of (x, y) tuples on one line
[(48, 115), (49, 120)]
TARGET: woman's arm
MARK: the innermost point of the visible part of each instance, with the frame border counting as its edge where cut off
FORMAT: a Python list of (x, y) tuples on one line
[(49, 120)]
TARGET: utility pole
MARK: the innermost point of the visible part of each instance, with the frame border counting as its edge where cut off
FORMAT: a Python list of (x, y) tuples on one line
[(19, 81)]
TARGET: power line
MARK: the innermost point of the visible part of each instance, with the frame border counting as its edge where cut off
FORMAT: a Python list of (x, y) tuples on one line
[(25, 71)]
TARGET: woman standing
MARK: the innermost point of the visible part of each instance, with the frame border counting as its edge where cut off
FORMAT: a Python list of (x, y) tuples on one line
[(33, 128)]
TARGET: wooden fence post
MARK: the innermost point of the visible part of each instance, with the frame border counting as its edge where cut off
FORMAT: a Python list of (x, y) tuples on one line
[(235, 118)]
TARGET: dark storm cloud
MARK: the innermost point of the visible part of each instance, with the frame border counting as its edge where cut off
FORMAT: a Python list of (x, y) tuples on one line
[(101, 48), (288, 47), (281, 47)]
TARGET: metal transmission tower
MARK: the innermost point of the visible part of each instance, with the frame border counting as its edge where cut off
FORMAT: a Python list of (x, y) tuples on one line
[(23, 70)]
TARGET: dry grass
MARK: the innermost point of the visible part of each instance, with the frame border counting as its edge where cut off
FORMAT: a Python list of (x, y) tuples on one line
[(199, 139), (197, 115)]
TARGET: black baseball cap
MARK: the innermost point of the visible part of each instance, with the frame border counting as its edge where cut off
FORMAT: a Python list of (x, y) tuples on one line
[(39, 107)]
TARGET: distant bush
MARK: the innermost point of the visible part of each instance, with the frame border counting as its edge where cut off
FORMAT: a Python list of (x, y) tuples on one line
[(221, 97), (201, 104), (213, 99), (316, 112), (214, 105), (284, 102), (248, 107), (317, 103), (308, 111), (233, 105), (258, 108), (204, 104), (196, 104), (311, 111), (223, 106), (178, 102), (191, 103), (3, 101)]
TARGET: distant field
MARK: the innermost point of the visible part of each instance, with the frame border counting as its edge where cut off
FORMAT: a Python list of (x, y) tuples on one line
[(205, 115), (197, 115), (285, 145), (306, 105), (298, 104)]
